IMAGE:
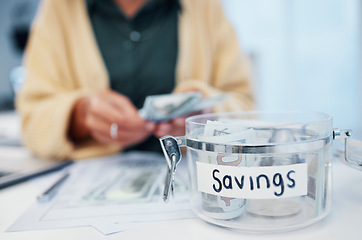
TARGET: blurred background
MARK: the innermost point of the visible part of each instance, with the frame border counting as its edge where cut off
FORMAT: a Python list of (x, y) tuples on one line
[(306, 54), (15, 21)]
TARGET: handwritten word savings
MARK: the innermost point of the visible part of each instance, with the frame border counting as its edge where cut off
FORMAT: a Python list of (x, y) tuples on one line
[(252, 182)]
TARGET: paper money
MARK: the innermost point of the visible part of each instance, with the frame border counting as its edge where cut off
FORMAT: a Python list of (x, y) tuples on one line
[(136, 178), (165, 107), (218, 132)]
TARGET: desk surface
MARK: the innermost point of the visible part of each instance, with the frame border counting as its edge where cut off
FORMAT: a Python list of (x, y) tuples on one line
[(343, 222)]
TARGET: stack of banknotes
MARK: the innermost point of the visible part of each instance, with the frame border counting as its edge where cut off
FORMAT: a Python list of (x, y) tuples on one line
[(165, 107), (224, 131)]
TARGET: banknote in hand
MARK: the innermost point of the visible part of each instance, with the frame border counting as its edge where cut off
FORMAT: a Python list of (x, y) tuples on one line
[(166, 107)]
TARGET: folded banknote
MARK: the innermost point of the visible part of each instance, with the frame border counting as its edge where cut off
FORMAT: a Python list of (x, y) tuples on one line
[(165, 107)]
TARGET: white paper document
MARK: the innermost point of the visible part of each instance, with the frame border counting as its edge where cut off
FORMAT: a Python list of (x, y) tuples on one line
[(112, 194)]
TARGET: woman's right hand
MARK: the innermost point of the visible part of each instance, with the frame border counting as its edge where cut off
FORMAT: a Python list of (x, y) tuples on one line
[(94, 115)]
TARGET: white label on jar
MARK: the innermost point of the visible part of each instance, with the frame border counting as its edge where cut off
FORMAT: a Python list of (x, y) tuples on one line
[(252, 182)]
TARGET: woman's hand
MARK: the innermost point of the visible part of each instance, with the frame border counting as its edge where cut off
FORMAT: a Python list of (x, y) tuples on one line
[(175, 127), (94, 115)]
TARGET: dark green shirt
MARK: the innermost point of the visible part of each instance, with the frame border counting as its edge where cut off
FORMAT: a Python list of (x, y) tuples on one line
[(139, 53)]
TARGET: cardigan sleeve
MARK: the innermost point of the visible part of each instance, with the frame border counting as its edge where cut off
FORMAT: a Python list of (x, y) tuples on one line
[(229, 70), (49, 93)]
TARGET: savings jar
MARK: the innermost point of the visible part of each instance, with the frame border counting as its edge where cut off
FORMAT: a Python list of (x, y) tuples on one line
[(259, 171)]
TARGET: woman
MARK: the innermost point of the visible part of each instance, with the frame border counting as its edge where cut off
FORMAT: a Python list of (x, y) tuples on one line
[(91, 64)]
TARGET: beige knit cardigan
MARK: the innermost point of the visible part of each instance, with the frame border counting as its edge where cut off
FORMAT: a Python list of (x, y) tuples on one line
[(63, 64)]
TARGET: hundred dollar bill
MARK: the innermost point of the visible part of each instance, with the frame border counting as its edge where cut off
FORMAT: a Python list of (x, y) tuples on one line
[(128, 183), (135, 184), (168, 106), (219, 132), (209, 102)]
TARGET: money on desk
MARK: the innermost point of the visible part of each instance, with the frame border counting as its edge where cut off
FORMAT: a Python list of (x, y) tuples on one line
[(165, 107)]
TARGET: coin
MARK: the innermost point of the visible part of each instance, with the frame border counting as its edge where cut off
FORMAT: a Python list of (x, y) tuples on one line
[(273, 208)]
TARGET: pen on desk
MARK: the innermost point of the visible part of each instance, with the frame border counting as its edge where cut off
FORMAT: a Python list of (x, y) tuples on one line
[(52, 190)]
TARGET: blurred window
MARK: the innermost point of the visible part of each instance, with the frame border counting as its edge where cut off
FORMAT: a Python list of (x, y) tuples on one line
[(306, 55)]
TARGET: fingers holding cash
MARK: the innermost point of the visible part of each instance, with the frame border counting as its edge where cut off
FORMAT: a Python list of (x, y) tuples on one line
[(171, 110), (161, 108), (110, 117)]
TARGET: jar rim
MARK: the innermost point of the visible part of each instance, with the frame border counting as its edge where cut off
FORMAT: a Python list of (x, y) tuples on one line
[(246, 115)]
